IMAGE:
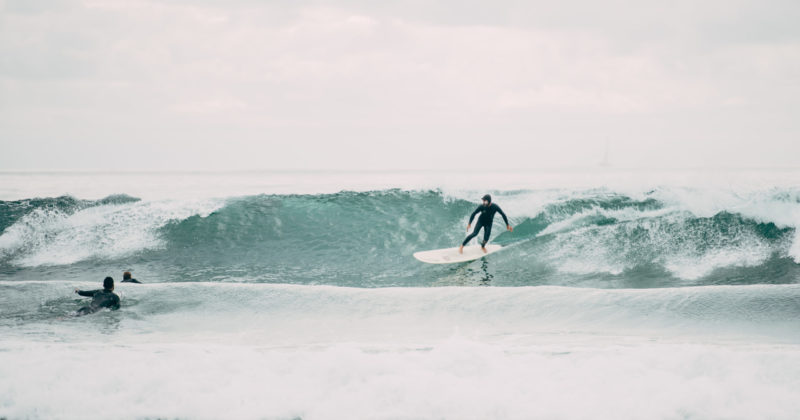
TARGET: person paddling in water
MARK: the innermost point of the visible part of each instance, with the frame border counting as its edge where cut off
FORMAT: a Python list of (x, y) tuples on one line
[(487, 211), (101, 298)]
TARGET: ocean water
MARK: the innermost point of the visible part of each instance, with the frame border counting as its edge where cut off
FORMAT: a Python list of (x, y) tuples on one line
[(289, 295)]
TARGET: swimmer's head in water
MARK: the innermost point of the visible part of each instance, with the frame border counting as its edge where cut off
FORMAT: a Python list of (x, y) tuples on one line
[(108, 283), (126, 275)]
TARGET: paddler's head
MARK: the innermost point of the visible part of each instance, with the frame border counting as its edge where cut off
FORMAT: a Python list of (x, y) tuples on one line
[(108, 283)]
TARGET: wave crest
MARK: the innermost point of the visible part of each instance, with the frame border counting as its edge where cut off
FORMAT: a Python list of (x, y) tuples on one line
[(595, 237)]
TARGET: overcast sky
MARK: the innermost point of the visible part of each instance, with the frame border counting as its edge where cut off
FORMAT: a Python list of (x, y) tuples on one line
[(360, 84)]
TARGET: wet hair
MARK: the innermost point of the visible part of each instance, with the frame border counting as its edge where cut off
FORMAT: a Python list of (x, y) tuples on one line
[(108, 283), (487, 197), (126, 275)]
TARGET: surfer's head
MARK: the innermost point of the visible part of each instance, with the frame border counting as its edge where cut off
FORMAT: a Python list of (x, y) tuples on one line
[(108, 283), (126, 275), (487, 199)]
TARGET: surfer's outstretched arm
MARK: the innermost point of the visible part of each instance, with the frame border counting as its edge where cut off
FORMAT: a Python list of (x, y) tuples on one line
[(505, 218), (472, 216), (502, 213), (87, 293)]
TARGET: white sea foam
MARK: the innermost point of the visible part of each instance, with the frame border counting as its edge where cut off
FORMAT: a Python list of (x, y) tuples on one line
[(456, 377), (581, 247), (584, 217), (266, 314), (780, 206), (690, 266), (203, 350), (794, 251), (579, 253), (52, 237)]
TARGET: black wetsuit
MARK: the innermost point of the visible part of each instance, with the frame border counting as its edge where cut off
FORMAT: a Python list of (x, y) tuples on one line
[(131, 281), (484, 221), (101, 298)]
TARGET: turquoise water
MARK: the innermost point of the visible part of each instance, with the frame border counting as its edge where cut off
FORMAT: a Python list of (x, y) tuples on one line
[(589, 238), (297, 296)]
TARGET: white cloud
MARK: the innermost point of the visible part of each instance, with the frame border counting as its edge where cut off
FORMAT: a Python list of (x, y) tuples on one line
[(551, 82)]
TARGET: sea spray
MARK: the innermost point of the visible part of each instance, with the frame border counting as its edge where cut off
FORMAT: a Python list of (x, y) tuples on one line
[(597, 238), (295, 296)]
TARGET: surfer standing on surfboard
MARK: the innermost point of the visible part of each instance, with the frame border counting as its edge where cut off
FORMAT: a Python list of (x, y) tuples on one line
[(487, 211)]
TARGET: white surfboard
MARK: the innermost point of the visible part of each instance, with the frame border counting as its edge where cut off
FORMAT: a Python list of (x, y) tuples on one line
[(451, 255)]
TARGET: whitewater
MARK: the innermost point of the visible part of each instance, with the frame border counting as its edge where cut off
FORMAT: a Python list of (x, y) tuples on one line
[(620, 294)]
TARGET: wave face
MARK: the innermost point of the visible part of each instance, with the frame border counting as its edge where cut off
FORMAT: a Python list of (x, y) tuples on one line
[(684, 298), (294, 351), (595, 238), (270, 314)]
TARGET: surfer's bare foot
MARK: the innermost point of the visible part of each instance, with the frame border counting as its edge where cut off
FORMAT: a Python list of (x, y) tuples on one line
[(484, 250), (461, 249)]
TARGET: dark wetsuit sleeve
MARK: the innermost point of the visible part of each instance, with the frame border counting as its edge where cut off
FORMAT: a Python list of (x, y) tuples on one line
[(472, 216), (115, 304), (499, 210), (87, 293)]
